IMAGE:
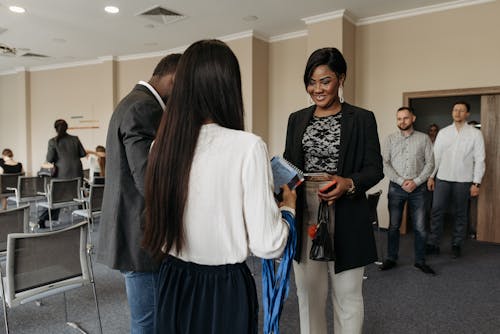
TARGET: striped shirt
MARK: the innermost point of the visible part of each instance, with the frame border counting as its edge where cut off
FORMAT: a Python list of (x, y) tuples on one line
[(408, 157)]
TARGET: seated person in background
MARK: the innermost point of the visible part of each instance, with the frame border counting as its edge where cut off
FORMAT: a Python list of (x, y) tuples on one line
[(97, 162), (9, 166)]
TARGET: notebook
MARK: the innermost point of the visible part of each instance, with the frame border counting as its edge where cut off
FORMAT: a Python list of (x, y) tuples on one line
[(285, 173)]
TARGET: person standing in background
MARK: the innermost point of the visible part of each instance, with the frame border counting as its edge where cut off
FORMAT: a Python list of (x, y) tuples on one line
[(459, 167), (97, 162), (408, 162), (340, 140), (131, 131), (432, 132), (64, 152)]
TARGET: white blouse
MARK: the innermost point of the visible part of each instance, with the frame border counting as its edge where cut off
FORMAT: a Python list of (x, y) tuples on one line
[(230, 210)]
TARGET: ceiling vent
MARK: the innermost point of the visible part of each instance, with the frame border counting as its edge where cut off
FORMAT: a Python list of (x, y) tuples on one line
[(35, 55), (161, 15), (6, 50)]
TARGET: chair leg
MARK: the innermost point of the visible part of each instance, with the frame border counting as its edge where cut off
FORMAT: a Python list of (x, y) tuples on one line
[(50, 218), (4, 307), (65, 308), (89, 252)]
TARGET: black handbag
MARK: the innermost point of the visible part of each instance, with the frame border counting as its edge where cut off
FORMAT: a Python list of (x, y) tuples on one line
[(322, 247)]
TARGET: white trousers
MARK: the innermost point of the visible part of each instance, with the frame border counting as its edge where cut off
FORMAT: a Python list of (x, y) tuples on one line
[(311, 279)]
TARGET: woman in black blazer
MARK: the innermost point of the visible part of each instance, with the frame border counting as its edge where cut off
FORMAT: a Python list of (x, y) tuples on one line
[(341, 140), (64, 151)]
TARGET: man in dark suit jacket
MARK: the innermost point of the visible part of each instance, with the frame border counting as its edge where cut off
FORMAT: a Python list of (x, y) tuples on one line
[(131, 131)]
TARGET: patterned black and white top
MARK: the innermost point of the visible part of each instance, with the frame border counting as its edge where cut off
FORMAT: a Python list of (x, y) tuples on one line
[(321, 144)]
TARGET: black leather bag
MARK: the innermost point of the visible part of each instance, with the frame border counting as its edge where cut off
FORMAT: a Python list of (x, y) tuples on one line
[(322, 247)]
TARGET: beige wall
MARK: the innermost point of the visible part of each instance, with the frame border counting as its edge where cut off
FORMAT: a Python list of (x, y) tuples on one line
[(14, 115), (457, 48), (242, 48), (453, 49), (260, 88), (287, 60), (67, 93)]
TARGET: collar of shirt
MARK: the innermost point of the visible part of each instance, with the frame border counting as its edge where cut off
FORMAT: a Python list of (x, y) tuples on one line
[(401, 132), (155, 93)]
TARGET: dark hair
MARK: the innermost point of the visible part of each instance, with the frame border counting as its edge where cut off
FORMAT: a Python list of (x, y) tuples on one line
[(466, 104), (207, 88), (167, 65), (410, 109), (61, 127), (325, 56), (433, 125), (8, 153)]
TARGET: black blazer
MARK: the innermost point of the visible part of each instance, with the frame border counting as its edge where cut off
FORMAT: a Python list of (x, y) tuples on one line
[(360, 160), (65, 154), (131, 131)]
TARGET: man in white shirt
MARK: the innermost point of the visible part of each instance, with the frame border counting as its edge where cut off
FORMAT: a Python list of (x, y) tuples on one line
[(459, 168)]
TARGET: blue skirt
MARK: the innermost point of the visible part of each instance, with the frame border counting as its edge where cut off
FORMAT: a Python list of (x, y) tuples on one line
[(203, 299)]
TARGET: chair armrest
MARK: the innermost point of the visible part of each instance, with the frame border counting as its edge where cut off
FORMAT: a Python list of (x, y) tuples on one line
[(41, 193), (11, 188), (80, 200)]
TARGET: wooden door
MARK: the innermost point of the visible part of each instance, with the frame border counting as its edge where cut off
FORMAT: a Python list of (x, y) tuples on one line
[(488, 207)]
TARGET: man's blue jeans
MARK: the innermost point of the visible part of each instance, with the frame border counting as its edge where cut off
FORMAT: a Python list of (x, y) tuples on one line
[(458, 194), (142, 300), (416, 206)]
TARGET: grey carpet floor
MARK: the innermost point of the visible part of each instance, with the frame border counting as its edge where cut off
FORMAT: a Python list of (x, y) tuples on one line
[(463, 298)]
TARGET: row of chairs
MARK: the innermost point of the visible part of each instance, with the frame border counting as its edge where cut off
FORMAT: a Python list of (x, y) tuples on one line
[(54, 194), (38, 265)]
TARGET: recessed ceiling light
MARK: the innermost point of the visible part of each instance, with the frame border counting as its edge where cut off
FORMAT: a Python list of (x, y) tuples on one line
[(17, 9), (250, 18), (59, 40), (111, 9)]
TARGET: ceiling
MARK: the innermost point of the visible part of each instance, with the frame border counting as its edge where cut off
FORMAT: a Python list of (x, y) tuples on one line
[(70, 31)]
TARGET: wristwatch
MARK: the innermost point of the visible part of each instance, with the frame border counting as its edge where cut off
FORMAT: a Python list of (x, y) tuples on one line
[(477, 185)]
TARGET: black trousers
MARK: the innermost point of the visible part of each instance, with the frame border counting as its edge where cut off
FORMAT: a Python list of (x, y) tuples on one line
[(200, 299)]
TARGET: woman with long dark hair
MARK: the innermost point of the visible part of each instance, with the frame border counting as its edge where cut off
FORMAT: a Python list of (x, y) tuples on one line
[(209, 200)]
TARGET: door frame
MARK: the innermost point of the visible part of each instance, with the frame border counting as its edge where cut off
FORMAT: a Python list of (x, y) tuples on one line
[(481, 91)]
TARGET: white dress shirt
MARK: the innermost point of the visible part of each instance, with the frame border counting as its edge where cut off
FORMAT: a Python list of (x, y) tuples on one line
[(459, 155), (230, 209)]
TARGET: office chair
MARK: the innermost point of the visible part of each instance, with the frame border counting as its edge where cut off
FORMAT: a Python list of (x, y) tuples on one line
[(65, 264), (61, 193)]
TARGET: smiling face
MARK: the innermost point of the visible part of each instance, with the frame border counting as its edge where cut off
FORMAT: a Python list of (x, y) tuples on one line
[(323, 87)]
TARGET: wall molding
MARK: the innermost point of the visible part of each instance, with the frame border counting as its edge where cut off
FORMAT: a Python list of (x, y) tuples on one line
[(343, 13), (290, 35), (420, 11)]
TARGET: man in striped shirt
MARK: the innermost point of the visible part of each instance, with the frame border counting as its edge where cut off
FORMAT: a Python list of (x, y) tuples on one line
[(408, 162)]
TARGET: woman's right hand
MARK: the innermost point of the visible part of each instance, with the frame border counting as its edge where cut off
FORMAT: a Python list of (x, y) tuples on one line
[(289, 197)]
